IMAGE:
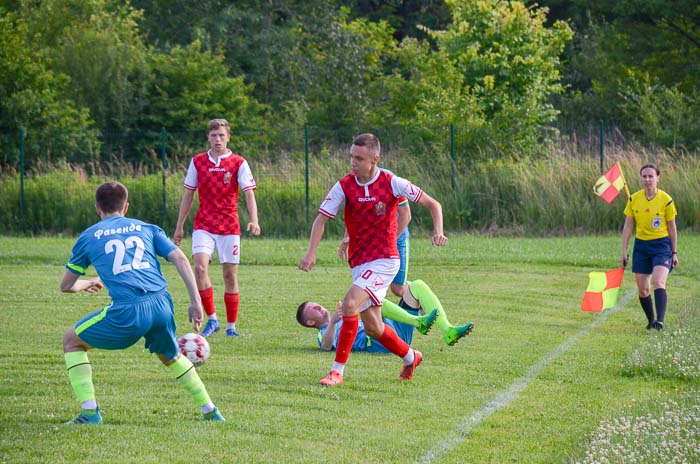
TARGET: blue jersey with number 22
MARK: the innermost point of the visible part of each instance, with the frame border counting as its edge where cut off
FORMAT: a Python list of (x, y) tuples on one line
[(124, 252)]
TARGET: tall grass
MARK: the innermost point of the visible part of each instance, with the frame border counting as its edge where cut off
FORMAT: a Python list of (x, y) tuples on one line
[(552, 195)]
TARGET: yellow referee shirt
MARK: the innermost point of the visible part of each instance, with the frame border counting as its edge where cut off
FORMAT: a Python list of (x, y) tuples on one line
[(651, 216)]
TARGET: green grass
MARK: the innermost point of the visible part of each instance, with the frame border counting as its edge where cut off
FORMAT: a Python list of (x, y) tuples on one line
[(534, 382)]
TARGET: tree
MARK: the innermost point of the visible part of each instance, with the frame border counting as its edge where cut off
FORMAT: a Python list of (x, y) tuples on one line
[(33, 98), (634, 51), (424, 94), (510, 62), (407, 18), (494, 73), (191, 86), (98, 45)]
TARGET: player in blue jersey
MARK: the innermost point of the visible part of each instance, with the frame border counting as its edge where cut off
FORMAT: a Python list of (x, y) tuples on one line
[(402, 319), (313, 315), (124, 253), (655, 253)]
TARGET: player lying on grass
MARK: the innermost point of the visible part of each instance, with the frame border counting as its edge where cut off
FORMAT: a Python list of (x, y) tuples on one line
[(402, 319)]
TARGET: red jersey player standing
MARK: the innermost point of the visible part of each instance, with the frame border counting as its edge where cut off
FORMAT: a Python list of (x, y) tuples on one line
[(371, 197), (217, 175)]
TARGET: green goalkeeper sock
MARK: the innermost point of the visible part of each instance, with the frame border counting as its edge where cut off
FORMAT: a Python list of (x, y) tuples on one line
[(80, 375), (392, 311), (429, 301), (187, 376)]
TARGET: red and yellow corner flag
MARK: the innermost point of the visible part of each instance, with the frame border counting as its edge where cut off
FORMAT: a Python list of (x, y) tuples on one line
[(609, 184), (602, 290)]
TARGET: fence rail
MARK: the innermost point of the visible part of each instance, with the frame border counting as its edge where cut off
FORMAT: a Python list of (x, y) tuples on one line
[(293, 177)]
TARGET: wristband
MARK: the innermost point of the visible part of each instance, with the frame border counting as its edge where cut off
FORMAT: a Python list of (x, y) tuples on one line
[(674, 253)]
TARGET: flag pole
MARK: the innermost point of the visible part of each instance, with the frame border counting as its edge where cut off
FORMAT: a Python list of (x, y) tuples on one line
[(624, 181)]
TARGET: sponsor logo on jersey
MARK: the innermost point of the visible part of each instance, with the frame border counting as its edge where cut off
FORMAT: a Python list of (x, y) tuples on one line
[(119, 230), (366, 199)]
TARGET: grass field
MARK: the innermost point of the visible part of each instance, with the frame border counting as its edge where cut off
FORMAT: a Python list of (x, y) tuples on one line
[(538, 381)]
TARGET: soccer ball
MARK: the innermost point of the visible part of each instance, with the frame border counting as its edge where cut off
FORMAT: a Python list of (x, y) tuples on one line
[(195, 347)]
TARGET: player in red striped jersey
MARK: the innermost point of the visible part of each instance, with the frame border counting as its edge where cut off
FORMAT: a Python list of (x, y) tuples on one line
[(371, 197), (218, 174)]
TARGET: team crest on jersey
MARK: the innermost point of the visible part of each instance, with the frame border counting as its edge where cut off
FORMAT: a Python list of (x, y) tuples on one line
[(227, 178), (656, 222), (380, 208)]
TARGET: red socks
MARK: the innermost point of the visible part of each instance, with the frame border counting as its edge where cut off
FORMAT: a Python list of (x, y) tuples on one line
[(346, 338), (207, 296), (231, 300), (392, 342)]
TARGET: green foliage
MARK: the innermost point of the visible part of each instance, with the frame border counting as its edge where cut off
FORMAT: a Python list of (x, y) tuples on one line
[(183, 96), (509, 61), (344, 57), (662, 116), (98, 45), (104, 77), (636, 63), (494, 73), (35, 98), (423, 94)]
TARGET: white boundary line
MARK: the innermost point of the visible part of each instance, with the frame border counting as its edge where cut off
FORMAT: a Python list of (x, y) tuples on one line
[(503, 399)]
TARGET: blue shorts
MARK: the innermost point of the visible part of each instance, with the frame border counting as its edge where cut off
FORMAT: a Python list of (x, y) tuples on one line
[(120, 325), (651, 253), (403, 244)]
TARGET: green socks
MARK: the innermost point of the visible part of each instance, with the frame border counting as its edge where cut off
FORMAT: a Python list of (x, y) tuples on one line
[(392, 311), (80, 375), (429, 301), (187, 376)]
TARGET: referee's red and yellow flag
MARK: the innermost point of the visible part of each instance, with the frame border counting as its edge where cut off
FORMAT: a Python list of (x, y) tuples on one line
[(608, 186), (602, 290)]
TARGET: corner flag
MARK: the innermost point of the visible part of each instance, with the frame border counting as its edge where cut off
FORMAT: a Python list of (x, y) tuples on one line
[(602, 290), (608, 186)]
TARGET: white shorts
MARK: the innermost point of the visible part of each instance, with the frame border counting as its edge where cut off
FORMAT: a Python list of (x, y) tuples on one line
[(374, 278), (228, 247)]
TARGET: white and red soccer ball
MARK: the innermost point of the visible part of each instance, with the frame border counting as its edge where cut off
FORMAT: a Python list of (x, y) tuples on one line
[(195, 347)]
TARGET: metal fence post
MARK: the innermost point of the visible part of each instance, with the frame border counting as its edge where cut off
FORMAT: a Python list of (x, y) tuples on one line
[(21, 172), (164, 165), (452, 154), (602, 144), (306, 170)]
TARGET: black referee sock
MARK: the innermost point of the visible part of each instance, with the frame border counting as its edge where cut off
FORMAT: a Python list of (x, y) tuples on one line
[(648, 307), (660, 298)]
